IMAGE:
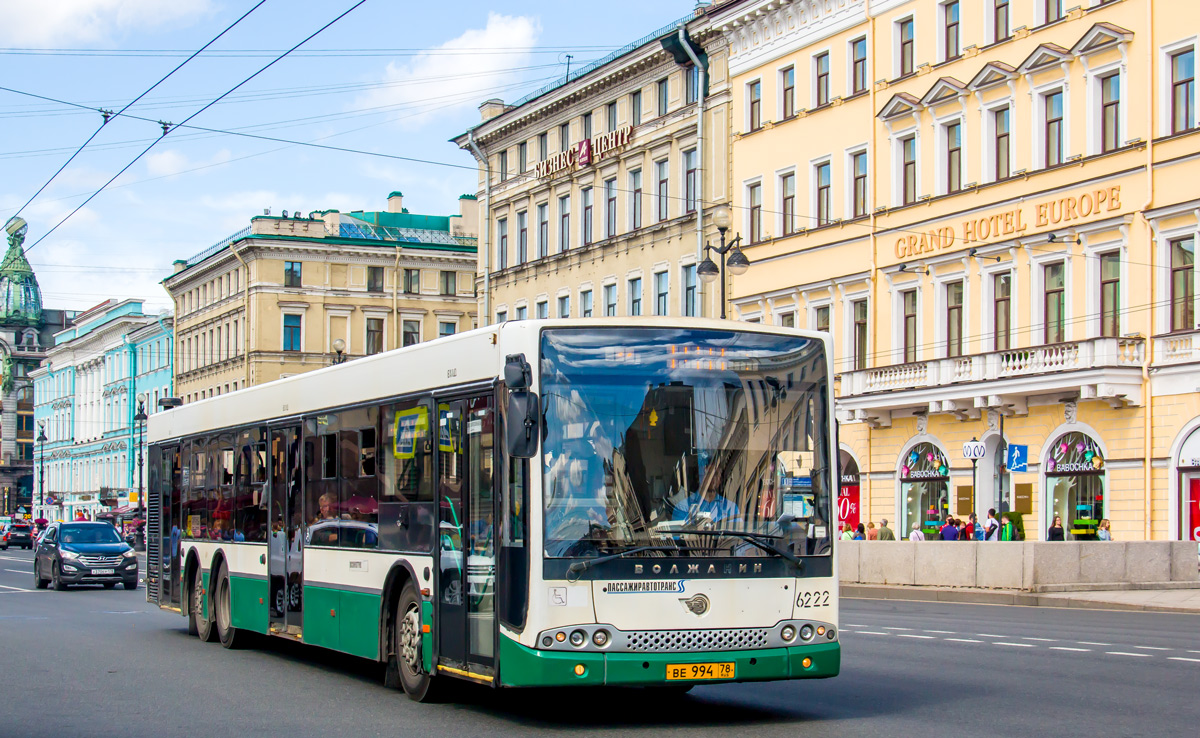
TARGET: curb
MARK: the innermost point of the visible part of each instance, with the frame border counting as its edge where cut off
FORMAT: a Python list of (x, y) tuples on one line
[(1000, 597)]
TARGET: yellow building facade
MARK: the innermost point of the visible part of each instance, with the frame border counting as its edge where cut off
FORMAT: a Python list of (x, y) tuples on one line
[(283, 295), (990, 206)]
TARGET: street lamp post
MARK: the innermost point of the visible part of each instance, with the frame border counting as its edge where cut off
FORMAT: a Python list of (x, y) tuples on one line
[(339, 348), (41, 439), (140, 420), (737, 262)]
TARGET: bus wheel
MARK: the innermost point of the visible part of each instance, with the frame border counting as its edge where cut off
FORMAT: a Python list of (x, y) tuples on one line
[(199, 621), (222, 606), (417, 683)]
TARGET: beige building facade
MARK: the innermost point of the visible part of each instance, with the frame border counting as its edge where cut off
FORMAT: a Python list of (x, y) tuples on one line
[(599, 191), (989, 206), (283, 295)]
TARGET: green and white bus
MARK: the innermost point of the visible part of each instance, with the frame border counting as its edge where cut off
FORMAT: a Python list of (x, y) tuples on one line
[(609, 501)]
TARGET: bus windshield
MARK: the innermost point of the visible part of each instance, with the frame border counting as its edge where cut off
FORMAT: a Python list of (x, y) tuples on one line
[(689, 442)]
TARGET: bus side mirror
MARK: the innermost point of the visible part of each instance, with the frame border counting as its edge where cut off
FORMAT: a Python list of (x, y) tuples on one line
[(518, 375), (521, 424)]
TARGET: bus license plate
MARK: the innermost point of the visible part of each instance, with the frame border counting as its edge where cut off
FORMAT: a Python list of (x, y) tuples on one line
[(722, 670), (103, 571)]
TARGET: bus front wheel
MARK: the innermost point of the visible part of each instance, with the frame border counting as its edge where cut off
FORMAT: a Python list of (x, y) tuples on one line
[(418, 684)]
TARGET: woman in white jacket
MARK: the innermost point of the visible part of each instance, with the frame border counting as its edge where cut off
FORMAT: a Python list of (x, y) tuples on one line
[(916, 534)]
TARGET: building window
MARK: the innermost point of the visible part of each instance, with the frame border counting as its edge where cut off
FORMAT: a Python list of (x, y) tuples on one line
[(824, 194), (543, 216), (610, 300), (587, 126), (691, 84), (412, 281), (859, 309), (291, 274), (821, 319), (859, 164), (635, 107), (1053, 10), (662, 96), (1183, 259), (950, 16), (754, 95), (821, 84), (564, 137), (1110, 294), (787, 79), (446, 328), (501, 316), (689, 290), (908, 153), (661, 294), (610, 112), (502, 243), (448, 283), (954, 157), (906, 47), (564, 223), (291, 333), (1055, 302), (564, 306), (522, 312), (1054, 128), (1000, 21), (662, 174), (411, 333), (503, 165), (374, 279), (755, 198), (635, 296), (787, 320), (586, 224), (689, 180), (542, 310), (909, 299), (610, 207), (1183, 90), (374, 335), (543, 146), (522, 237), (954, 321), (858, 66), (635, 205), (1000, 119), (787, 186), (522, 157), (585, 304), (1110, 112), (1002, 310)]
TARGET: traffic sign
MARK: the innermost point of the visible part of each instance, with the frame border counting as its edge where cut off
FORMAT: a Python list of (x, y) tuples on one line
[(1017, 459), (974, 450)]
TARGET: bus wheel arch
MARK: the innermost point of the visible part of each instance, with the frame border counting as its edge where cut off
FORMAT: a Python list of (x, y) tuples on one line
[(189, 572), (400, 574)]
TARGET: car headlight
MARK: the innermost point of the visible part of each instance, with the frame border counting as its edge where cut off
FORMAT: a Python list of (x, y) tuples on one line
[(130, 554), (68, 554)]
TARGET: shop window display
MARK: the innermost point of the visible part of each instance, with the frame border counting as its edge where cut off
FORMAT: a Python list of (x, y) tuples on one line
[(925, 488), (1075, 484)]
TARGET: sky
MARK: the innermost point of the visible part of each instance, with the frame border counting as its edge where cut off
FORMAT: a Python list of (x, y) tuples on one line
[(391, 77)]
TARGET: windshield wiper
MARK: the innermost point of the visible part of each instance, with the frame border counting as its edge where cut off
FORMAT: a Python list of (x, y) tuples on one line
[(762, 541), (579, 567)]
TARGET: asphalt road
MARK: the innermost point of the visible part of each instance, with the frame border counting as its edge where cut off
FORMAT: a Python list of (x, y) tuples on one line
[(95, 662)]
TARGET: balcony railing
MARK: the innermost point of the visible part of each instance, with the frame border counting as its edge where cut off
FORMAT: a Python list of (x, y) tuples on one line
[(1059, 357), (1177, 348)]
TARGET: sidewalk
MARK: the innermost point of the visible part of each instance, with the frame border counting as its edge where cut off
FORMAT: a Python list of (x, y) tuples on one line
[(1148, 600)]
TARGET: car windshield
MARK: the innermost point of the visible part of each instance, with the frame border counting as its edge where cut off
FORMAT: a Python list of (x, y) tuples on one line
[(674, 438), (89, 534)]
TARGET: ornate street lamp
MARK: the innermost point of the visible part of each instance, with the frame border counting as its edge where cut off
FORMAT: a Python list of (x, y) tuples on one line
[(737, 262), (41, 439), (339, 348), (140, 420)]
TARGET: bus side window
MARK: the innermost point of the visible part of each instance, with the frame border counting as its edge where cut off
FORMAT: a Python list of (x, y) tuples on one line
[(513, 578), (403, 465)]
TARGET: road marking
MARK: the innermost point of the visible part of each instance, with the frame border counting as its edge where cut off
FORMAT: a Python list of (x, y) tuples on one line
[(913, 635), (1044, 640), (1153, 648), (855, 625), (1184, 658), (1018, 645), (121, 612), (1068, 648), (14, 558), (941, 632), (887, 628), (1126, 653), (962, 640), (1092, 643), (991, 635), (16, 589), (869, 632), (18, 571)]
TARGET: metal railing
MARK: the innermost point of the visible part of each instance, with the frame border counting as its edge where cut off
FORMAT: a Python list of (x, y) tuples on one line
[(403, 235), (218, 246)]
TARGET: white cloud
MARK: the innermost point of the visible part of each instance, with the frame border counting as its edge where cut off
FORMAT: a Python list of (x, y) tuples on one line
[(174, 161), (443, 80), (49, 22)]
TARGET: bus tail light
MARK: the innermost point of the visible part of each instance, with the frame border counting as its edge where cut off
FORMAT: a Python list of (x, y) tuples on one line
[(578, 638), (600, 638), (806, 632)]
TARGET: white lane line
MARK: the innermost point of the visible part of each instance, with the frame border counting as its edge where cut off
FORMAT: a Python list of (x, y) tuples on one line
[(1153, 648), (14, 558), (855, 625), (1184, 658), (887, 628), (962, 640), (1068, 648), (991, 635), (1043, 640), (1092, 643), (1126, 653), (1017, 645), (941, 632), (1193, 651), (16, 589), (18, 571), (913, 635), (869, 632)]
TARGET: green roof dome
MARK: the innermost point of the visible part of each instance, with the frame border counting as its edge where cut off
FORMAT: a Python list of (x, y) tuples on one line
[(20, 296)]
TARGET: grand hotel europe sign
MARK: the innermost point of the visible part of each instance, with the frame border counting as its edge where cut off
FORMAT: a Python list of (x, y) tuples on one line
[(586, 152)]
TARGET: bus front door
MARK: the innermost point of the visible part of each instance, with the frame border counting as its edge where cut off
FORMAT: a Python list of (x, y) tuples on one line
[(467, 555), (285, 569)]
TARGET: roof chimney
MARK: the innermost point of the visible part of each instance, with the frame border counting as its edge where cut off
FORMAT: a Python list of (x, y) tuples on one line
[(396, 202), (491, 108)]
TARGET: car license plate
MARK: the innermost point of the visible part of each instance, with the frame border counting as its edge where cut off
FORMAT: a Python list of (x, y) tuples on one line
[(721, 670), (103, 571)]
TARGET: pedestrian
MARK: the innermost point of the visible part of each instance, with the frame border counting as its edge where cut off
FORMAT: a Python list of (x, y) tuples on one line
[(974, 531), (991, 529), (950, 529), (847, 532), (861, 533), (1007, 531), (885, 533), (917, 534), (1104, 531), (1055, 531), (872, 532)]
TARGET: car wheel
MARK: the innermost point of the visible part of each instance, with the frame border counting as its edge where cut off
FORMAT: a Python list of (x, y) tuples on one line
[(229, 636), (56, 578), (199, 621), (37, 576), (418, 684), (109, 585)]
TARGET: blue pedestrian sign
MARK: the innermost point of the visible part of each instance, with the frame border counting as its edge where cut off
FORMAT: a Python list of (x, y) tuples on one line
[(1017, 459)]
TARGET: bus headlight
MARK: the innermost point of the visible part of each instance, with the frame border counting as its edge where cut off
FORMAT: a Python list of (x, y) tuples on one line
[(578, 638), (788, 633), (600, 638), (806, 632)]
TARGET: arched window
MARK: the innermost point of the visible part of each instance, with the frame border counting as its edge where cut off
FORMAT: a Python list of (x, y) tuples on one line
[(924, 488), (1075, 484)]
